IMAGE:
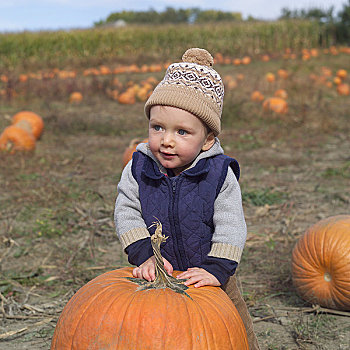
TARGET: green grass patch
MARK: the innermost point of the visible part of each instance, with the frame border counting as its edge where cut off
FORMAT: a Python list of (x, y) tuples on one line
[(343, 171), (261, 197)]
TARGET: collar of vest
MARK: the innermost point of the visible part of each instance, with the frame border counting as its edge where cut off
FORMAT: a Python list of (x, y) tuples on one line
[(151, 170)]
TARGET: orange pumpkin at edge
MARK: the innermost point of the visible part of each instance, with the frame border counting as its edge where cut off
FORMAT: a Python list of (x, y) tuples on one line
[(14, 139), (321, 263)]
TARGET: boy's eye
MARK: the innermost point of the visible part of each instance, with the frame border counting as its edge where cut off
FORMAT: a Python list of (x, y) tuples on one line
[(157, 127), (182, 132)]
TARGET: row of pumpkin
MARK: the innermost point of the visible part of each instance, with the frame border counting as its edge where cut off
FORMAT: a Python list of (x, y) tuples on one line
[(125, 97), (139, 92), (27, 126), (219, 58)]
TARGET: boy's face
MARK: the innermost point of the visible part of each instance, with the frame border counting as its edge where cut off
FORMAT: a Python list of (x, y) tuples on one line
[(176, 137)]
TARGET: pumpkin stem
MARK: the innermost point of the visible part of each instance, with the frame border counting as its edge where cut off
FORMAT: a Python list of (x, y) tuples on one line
[(163, 279)]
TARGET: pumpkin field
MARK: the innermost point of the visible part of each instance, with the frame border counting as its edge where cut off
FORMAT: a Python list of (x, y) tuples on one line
[(286, 119)]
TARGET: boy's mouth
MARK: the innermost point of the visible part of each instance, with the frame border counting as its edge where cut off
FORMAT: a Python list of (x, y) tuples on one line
[(167, 155)]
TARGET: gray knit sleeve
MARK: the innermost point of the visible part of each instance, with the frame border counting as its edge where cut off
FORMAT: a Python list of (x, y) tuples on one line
[(130, 226), (230, 227)]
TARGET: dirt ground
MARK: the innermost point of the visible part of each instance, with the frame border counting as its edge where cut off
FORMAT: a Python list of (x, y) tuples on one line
[(56, 215)]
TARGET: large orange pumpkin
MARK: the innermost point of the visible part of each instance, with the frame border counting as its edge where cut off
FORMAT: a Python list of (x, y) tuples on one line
[(110, 313), (15, 138), (35, 121), (117, 312), (321, 263)]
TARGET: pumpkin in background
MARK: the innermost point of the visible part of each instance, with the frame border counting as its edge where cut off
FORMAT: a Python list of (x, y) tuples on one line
[(143, 93), (326, 72), (306, 56), (283, 74), (227, 60), (342, 73), (281, 93), (218, 58), (246, 60), (110, 312), (35, 121), (314, 52), (127, 98), (343, 89), (237, 61), (229, 82), (257, 96), (15, 138), (104, 70), (321, 263), (240, 76), (275, 104), (337, 80), (270, 77), (127, 155), (75, 97), (23, 78)]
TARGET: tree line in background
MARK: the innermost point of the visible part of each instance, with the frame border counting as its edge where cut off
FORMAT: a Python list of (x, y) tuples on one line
[(171, 15), (337, 24)]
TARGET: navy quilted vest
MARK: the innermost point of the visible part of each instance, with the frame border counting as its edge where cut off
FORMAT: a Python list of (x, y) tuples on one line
[(184, 204)]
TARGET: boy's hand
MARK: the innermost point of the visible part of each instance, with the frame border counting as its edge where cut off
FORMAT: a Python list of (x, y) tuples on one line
[(147, 269), (200, 277)]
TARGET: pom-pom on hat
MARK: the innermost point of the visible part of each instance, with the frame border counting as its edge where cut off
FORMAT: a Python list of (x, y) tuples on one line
[(192, 85)]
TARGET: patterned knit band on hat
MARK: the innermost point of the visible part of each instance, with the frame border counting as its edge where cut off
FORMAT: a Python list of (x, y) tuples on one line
[(192, 85)]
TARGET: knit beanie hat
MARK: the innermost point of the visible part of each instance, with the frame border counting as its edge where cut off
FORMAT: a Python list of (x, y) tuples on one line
[(194, 86)]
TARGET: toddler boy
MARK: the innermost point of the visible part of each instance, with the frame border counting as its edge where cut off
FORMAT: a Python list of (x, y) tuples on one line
[(182, 178)]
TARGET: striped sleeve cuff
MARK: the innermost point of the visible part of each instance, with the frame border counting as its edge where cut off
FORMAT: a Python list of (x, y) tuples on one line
[(133, 235), (226, 251)]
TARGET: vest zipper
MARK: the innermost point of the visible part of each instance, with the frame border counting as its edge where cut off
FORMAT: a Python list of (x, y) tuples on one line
[(177, 231), (172, 188)]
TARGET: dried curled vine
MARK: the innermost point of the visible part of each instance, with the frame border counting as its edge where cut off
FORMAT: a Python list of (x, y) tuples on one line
[(163, 279)]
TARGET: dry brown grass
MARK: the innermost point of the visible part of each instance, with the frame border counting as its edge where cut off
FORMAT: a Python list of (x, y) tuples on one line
[(56, 205)]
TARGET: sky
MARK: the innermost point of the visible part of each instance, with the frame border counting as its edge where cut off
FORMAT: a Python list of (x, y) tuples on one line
[(20, 15)]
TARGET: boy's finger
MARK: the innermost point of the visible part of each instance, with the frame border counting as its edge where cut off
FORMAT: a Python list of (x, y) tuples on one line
[(200, 284), (168, 267), (189, 274), (193, 279), (152, 275), (139, 273), (147, 275)]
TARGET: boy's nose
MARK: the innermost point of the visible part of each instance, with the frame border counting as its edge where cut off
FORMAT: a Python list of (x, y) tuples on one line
[(168, 140)]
